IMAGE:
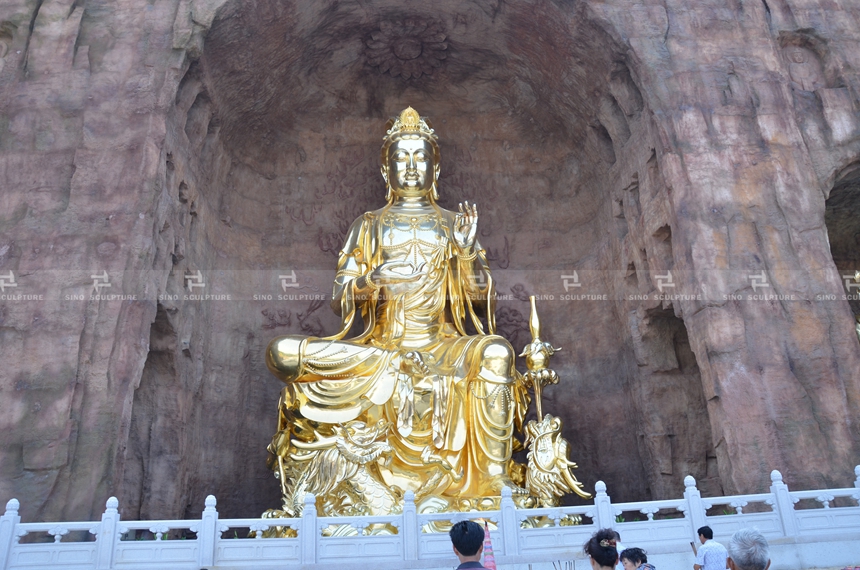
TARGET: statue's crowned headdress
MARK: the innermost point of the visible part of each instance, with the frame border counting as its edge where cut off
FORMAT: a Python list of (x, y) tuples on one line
[(410, 122)]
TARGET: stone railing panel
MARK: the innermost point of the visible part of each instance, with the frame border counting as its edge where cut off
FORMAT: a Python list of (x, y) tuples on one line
[(48, 548), (728, 514), (238, 552), (565, 539), (829, 517)]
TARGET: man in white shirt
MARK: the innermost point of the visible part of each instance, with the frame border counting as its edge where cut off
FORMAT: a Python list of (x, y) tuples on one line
[(711, 555)]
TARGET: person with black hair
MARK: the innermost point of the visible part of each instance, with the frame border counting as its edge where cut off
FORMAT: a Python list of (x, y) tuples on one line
[(601, 550), (467, 538), (711, 555), (635, 558)]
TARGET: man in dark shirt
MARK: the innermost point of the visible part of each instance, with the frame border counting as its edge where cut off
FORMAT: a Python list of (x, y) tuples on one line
[(468, 540)]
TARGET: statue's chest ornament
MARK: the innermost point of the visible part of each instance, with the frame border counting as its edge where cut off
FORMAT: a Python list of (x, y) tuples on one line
[(415, 238)]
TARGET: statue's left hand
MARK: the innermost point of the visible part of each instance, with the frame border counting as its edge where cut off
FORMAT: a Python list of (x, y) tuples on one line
[(466, 226), (399, 277)]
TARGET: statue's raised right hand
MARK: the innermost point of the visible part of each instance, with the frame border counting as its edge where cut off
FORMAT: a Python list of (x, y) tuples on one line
[(466, 225)]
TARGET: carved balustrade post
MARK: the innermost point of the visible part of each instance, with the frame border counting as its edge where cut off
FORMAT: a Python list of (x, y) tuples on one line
[(108, 535), (857, 476), (509, 524), (695, 506), (603, 507), (207, 534), (309, 533), (8, 522), (783, 503), (410, 527)]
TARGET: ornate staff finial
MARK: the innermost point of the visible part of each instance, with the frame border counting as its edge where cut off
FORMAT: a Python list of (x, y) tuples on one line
[(534, 321), (537, 354)]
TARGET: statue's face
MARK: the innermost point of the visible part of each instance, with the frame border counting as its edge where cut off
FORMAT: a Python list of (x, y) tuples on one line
[(411, 167)]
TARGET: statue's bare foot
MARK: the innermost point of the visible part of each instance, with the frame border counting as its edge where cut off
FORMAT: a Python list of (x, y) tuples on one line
[(503, 481)]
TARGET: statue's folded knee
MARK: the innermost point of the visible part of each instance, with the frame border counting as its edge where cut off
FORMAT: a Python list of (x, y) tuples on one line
[(497, 361), (283, 357)]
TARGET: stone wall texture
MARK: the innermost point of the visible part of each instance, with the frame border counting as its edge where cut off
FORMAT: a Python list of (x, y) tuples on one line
[(709, 140)]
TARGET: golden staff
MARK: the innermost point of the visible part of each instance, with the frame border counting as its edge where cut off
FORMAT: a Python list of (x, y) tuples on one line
[(537, 354)]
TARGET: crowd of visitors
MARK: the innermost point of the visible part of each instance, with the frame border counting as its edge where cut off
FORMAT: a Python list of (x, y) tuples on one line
[(748, 550)]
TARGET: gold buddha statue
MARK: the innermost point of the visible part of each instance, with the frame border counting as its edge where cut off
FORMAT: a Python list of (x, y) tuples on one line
[(414, 403)]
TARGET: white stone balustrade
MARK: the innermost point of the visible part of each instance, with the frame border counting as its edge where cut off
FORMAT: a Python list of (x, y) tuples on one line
[(825, 532)]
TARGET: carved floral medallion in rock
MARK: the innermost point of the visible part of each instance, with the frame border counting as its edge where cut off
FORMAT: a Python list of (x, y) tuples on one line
[(407, 48)]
